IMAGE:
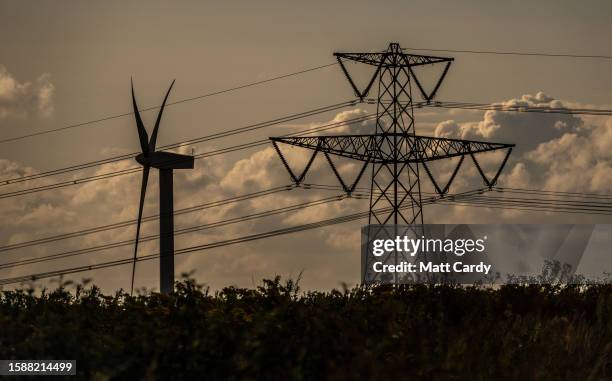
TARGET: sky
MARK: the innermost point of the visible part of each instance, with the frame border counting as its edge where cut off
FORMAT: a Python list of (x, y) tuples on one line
[(66, 62)]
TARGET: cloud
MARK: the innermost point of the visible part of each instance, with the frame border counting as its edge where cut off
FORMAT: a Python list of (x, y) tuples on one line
[(19, 100), (572, 162), (553, 151), (525, 129), (558, 152)]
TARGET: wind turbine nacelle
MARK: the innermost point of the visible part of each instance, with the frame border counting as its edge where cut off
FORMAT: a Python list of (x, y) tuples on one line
[(165, 160)]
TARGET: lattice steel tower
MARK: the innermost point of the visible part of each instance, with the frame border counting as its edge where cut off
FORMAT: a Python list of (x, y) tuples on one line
[(394, 150)]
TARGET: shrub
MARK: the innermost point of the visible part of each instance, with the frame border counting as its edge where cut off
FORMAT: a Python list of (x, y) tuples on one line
[(277, 332)]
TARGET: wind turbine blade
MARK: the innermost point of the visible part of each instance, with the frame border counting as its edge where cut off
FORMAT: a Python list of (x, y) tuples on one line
[(142, 132), (159, 115), (143, 191)]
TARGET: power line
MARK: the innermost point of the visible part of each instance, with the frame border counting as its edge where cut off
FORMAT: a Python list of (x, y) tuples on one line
[(186, 230), (198, 156), (220, 151), (211, 153), (126, 223), (497, 52), (470, 198), (168, 104), (537, 204), (192, 229), (586, 207), (324, 127), (485, 204), (287, 76), (519, 108), (544, 191), (508, 108), (436, 104), (132, 170), (217, 135), (328, 222), (248, 238), (194, 208), (553, 205), (266, 192)]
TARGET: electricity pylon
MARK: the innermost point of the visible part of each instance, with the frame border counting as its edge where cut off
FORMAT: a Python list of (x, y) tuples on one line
[(395, 152)]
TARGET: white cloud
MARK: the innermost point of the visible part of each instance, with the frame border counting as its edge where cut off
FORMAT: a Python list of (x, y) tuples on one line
[(558, 152), (553, 151), (525, 129), (19, 100)]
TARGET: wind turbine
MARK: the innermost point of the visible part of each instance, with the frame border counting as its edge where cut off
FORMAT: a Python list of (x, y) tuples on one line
[(165, 162)]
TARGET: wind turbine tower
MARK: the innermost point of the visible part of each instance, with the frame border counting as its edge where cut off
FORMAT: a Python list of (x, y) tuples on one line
[(165, 162)]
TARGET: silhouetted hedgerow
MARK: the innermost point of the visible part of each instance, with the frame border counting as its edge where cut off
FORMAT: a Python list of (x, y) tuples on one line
[(276, 332)]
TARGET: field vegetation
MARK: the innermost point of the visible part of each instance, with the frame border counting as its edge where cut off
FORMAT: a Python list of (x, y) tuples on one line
[(277, 332)]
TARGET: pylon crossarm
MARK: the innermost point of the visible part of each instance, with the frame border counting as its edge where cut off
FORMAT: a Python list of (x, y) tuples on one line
[(367, 58), (356, 147), (420, 60), (433, 148), (367, 147), (408, 59)]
